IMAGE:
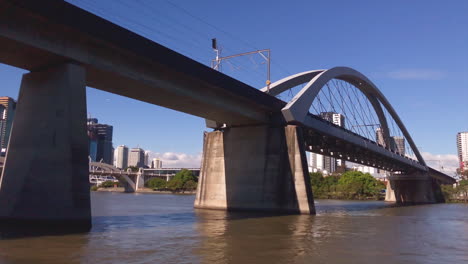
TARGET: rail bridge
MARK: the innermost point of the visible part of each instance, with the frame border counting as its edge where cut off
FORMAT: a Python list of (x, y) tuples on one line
[(255, 159)]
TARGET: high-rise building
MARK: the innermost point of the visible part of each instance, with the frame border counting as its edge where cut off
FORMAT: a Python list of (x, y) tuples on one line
[(399, 144), (156, 164), (323, 163), (147, 162), (136, 157), (2, 124), (7, 113), (121, 157), (462, 147), (100, 141)]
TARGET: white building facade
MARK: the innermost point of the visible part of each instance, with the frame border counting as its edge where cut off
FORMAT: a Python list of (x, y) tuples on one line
[(462, 147), (136, 158), (121, 157), (156, 164)]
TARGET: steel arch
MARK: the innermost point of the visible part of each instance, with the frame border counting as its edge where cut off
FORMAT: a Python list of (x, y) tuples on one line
[(298, 108), (102, 167)]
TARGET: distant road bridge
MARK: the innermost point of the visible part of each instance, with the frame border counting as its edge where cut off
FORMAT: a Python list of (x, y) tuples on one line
[(254, 160), (136, 180)]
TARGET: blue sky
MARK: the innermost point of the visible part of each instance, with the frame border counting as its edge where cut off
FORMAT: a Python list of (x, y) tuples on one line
[(416, 52)]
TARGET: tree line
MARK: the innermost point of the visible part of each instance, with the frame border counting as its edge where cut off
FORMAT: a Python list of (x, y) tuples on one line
[(351, 185), (458, 193), (183, 181)]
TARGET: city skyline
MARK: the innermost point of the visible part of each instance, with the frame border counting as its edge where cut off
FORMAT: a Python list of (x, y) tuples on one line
[(429, 72)]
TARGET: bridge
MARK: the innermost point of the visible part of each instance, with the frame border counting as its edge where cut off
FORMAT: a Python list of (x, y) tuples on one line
[(135, 180), (255, 159)]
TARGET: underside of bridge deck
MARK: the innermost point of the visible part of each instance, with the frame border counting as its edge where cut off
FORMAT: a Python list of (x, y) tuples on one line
[(35, 35)]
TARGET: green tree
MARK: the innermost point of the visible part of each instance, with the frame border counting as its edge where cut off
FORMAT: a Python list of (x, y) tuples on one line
[(462, 190), (355, 184), (324, 187), (329, 185), (133, 168), (156, 183), (316, 178), (185, 175), (107, 184), (175, 185), (190, 185), (449, 192), (183, 180)]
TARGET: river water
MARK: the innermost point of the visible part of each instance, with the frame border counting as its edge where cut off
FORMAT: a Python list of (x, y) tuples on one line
[(160, 228)]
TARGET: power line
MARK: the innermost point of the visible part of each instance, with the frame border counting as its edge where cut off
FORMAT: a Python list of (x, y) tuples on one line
[(221, 30)]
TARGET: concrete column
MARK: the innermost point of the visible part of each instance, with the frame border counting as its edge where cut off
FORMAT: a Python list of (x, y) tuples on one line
[(410, 189), (45, 179), (390, 193), (129, 185), (255, 168), (140, 179), (299, 169)]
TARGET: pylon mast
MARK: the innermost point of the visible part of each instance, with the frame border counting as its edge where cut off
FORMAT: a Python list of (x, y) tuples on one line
[(216, 63)]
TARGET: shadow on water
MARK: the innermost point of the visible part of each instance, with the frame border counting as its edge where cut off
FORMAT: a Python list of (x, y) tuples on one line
[(142, 221), (350, 206), (100, 224), (14, 229)]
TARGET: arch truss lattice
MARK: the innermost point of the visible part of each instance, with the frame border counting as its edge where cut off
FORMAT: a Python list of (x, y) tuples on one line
[(348, 99)]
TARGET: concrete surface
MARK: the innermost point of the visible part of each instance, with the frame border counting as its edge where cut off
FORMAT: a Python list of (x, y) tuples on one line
[(417, 188), (45, 178), (258, 168)]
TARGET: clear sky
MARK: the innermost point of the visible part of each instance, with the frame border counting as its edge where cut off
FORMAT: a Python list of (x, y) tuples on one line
[(416, 52)]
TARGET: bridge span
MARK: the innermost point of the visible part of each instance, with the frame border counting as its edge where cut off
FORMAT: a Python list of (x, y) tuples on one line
[(135, 180), (255, 159)]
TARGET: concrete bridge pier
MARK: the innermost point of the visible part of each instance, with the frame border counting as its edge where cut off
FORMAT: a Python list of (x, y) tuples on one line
[(413, 189), (140, 179), (45, 178), (259, 168), (129, 184)]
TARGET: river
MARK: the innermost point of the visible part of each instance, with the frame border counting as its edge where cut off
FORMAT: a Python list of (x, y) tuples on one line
[(160, 228)]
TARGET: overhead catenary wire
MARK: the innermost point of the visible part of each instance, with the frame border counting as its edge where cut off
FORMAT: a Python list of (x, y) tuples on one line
[(246, 43), (177, 41), (139, 28)]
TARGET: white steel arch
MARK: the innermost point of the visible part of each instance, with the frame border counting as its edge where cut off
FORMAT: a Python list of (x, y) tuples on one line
[(298, 108)]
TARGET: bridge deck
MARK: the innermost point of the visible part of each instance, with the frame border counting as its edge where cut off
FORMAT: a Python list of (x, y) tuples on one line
[(37, 34), (338, 140)]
